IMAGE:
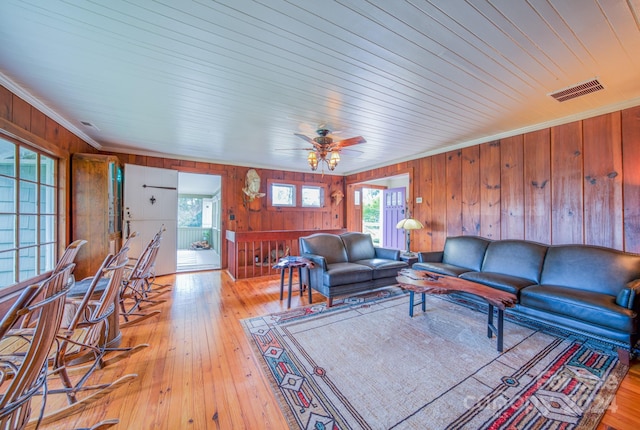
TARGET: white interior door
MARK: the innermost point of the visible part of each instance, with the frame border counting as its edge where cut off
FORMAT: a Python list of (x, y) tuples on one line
[(151, 201)]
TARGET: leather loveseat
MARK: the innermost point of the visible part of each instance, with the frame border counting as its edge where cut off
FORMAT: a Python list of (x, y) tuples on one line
[(580, 288), (348, 263)]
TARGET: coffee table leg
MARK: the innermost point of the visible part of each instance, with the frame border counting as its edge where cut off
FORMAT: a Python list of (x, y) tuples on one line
[(500, 328), (411, 297), (499, 331), (490, 327)]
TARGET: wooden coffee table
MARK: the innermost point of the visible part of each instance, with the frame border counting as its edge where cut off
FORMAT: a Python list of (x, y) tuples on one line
[(423, 282)]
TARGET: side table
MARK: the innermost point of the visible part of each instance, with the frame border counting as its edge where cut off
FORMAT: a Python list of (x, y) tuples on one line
[(409, 258), (292, 262)]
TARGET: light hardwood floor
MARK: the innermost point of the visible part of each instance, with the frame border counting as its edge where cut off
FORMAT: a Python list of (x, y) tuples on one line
[(199, 372)]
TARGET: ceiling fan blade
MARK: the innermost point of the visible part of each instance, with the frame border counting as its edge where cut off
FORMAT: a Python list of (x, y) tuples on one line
[(351, 153), (308, 139), (351, 141), (296, 149)]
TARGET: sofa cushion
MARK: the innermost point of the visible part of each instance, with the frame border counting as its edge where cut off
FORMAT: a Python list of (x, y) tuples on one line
[(466, 252), (595, 308), (500, 281), (359, 246), (517, 258), (442, 268), (590, 268), (383, 268), (330, 246), (346, 273)]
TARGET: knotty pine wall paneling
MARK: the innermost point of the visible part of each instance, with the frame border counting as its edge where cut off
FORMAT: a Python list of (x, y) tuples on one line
[(440, 198), (470, 195), (631, 178), (490, 190), (537, 186), (567, 221), (512, 187), (454, 193), (423, 186), (6, 103), (603, 180), (21, 113)]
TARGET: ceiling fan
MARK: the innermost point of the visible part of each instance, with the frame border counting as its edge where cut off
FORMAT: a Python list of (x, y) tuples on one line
[(325, 149)]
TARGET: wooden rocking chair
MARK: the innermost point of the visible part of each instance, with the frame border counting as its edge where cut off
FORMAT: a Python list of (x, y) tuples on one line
[(23, 359), (69, 255), (67, 258), (84, 338), (137, 293)]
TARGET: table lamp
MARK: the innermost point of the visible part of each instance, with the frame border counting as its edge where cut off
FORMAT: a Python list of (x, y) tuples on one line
[(409, 224)]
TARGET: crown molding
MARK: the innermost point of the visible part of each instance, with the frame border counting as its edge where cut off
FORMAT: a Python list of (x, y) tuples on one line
[(16, 89)]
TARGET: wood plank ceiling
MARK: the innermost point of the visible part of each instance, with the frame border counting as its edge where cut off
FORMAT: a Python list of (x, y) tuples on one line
[(231, 81)]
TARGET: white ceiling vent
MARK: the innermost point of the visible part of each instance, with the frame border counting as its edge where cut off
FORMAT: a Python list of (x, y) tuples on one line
[(89, 125), (581, 89)]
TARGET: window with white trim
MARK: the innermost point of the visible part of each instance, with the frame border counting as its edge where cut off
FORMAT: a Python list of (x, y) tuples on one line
[(312, 196), (283, 195), (297, 196), (28, 213)]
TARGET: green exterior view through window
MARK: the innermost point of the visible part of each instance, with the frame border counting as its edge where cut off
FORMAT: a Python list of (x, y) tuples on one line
[(28, 213)]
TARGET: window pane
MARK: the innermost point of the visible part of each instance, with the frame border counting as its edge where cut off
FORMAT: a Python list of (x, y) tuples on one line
[(28, 197), (7, 232), (28, 166), (7, 158), (283, 195), (7, 194), (27, 263), (7, 268), (189, 212), (27, 233), (47, 200), (47, 173), (47, 228), (47, 257), (312, 196)]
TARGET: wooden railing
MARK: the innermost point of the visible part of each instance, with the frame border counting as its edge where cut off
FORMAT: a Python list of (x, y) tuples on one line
[(253, 253)]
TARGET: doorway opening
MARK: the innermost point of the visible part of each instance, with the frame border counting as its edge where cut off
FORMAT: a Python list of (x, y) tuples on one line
[(199, 232), (383, 205)]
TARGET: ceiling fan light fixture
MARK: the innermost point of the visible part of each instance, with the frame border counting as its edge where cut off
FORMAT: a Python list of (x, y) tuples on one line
[(324, 149), (333, 160), (312, 158)]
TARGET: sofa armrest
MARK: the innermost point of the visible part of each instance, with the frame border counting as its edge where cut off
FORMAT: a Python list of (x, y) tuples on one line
[(430, 257), (319, 261), (387, 253), (312, 277), (626, 297)]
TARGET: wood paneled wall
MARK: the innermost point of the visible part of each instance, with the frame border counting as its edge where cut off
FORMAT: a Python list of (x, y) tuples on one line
[(574, 183)]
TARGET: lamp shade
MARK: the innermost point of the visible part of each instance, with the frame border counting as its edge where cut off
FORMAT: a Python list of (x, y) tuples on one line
[(409, 224)]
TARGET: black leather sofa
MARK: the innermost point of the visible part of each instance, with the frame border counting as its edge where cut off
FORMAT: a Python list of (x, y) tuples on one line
[(580, 288), (348, 263)]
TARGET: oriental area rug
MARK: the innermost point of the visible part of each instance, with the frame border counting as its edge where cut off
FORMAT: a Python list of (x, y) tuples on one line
[(365, 364)]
